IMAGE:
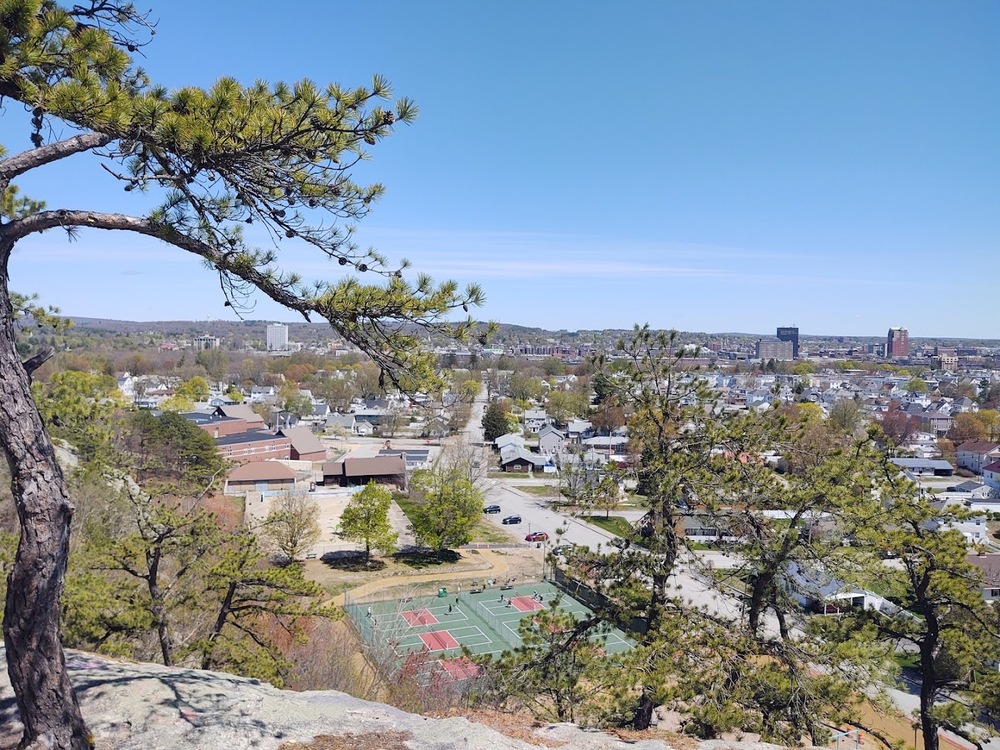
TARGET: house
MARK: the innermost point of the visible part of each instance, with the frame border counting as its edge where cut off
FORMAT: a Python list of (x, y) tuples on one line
[(260, 476), (510, 439), (519, 459), (935, 421), (578, 429), (262, 393), (550, 440), (991, 476), (920, 467), (535, 419), (972, 528), (305, 445), (435, 429), (968, 486), (975, 454), (989, 566), (358, 471), (815, 589), (255, 445), (611, 445)]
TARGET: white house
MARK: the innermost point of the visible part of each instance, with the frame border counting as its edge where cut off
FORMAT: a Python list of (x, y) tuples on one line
[(550, 440), (976, 454), (991, 476)]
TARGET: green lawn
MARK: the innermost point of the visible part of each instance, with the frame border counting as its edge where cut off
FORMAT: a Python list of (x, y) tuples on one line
[(547, 490), (614, 524)]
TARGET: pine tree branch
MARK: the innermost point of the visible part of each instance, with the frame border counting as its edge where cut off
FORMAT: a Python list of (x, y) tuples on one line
[(35, 361), (25, 161)]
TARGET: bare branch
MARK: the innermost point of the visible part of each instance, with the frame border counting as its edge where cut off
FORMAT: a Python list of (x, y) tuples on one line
[(25, 161), (35, 361)]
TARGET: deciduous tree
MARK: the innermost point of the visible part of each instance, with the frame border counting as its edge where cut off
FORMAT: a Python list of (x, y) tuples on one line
[(366, 520), (213, 160), (448, 506), (292, 525), (965, 426)]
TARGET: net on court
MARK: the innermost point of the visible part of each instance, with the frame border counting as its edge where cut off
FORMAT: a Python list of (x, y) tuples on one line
[(439, 640)]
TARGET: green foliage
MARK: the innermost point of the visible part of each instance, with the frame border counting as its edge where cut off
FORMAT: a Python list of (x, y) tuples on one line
[(82, 408), (523, 388), (257, 608), (494, 422), (366, 520), (219, 158), (447, 508), (915, 385), (170, 454), (941, 610), (194, 389), (215, 362), (468, 390), (554, 674)]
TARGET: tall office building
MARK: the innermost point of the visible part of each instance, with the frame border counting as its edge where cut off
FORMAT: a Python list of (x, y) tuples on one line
[(773, 349), (277, 337), (898, 343), (790, 333)]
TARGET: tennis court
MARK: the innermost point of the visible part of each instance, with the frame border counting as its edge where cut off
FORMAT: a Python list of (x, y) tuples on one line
[(484, 620)]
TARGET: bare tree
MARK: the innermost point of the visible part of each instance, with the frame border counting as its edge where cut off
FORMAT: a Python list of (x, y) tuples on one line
[(292, 525)]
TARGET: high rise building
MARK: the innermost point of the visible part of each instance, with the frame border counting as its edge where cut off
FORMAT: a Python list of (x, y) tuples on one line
[(773, 349), (897, 343), (277, 337), (790, 333)]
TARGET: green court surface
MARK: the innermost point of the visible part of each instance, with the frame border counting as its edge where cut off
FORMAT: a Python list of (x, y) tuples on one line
[(484, 621)]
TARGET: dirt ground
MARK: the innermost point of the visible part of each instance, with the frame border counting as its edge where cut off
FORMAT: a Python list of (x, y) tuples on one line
[(337, 574)]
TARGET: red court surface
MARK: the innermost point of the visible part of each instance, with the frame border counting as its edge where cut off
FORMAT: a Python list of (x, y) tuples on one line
[(438, 640), (460, 669), (415, 617), (526, 603)]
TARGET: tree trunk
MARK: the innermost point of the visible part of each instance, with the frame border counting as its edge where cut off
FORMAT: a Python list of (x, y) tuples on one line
[(207, 661), (928, 687), (158, 606), (35, 660)]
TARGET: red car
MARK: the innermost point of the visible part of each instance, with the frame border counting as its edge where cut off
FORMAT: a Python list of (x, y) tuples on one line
[(536, 536)]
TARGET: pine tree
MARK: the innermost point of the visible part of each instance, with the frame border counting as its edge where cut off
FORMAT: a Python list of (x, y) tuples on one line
[(217, 160), (494, 422)]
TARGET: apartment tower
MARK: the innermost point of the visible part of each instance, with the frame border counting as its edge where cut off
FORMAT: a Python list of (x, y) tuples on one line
[(897, 344)]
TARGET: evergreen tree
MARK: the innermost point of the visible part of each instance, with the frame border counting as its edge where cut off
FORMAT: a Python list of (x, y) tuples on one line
[(216, 159), (494, 422)]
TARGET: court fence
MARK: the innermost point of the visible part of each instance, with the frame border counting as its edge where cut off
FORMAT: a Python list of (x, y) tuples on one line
[(498, 626)]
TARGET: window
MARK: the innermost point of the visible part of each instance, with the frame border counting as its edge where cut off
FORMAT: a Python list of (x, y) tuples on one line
[(994, 593)]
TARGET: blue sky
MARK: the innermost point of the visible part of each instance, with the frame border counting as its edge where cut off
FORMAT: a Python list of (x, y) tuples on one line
[(723, 166)]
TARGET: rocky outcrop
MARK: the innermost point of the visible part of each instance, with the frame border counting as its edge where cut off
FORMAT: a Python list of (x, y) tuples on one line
[(149, 707)]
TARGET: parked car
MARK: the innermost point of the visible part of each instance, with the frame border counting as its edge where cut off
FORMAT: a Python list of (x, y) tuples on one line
[(536, 536), (491, 509), (562, 549), (511, 519)]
